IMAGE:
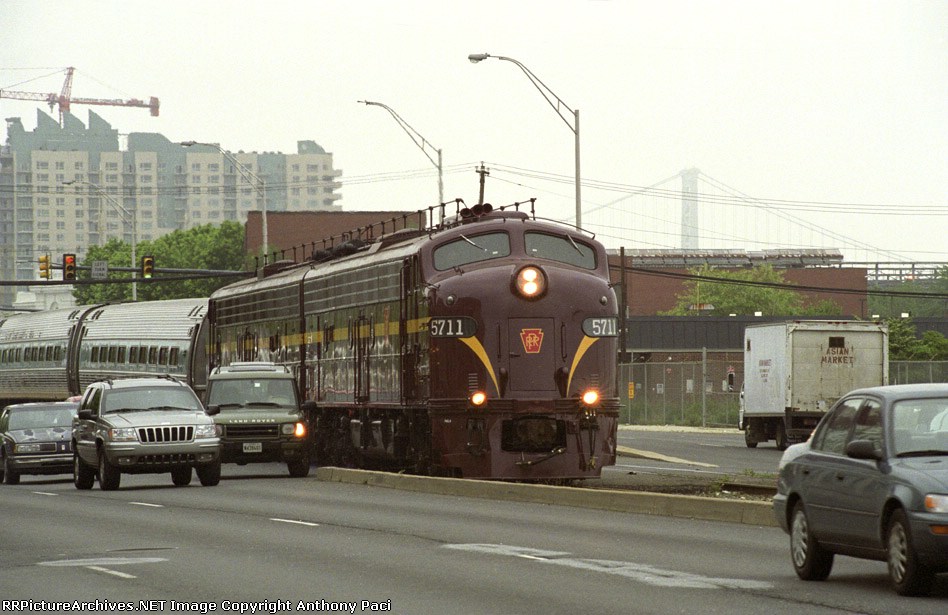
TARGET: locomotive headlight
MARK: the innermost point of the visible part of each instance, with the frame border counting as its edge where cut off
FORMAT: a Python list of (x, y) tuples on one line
[(478, 398), (590, 397), (530, 282)]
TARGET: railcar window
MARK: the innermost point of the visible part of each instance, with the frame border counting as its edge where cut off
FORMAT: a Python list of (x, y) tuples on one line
[(173, 357), (133, 354), (471, 250), (563, 249)]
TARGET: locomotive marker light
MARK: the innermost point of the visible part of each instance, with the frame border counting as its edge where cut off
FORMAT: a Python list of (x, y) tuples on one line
[(69, 266), (590, 397), (530, 282)]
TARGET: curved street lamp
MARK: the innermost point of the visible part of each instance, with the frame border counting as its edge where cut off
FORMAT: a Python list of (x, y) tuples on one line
[(558, 105), (419, 140), (254, 180)]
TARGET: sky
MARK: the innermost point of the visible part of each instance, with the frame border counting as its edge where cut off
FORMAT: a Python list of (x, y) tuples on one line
[(830, 114)]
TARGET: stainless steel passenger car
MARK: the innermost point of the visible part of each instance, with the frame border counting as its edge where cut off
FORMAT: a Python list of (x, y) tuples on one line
[(55, 354)]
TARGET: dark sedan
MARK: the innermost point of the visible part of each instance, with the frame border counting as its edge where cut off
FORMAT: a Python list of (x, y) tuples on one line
[(872, 482), (36, 439)]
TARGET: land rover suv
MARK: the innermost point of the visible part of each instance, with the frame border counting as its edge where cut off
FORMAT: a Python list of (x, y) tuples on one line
[(257, 407), (143, 426)]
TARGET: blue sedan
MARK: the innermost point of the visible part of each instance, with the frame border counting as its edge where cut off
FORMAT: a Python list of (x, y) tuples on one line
[(36, 438), (872, 482)]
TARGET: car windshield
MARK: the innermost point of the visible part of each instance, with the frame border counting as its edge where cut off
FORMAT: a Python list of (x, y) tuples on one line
[(920, 427), (150, 398), (252, 392), (41, 418)]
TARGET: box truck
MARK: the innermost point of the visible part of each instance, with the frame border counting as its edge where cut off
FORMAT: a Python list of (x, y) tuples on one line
[(794, 371)]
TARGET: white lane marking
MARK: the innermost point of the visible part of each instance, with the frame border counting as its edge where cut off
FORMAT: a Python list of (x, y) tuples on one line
[(112, 572), (104, 561), (295, 522), (44, 493), (638, 572), (146, 504)]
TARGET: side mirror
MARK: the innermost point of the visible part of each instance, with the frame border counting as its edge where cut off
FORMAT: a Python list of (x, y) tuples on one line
[(213, 410), (863, 449), (84, 415)]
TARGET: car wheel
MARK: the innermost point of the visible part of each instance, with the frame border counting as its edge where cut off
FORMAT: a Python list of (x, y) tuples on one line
[(181, 477), (109, 475), (209, 475), (781, 436), (9, 476), (83, 477), (299, 467), (908, 577), (810, 561)]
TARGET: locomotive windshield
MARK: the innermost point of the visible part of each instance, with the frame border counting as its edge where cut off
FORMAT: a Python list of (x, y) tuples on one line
[(471, 250), (560, 248)]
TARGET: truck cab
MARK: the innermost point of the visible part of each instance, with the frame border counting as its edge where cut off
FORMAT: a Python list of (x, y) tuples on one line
[(260, 416)]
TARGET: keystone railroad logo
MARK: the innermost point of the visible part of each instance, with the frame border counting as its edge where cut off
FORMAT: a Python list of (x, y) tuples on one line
[(532, 340)]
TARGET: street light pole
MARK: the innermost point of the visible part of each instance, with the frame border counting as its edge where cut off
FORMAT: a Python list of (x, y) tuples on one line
[(253, 178), (558, 105), (129, 217), (419, 140)]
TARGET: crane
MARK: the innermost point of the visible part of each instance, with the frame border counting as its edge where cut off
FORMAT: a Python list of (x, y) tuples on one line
[(65, 98)]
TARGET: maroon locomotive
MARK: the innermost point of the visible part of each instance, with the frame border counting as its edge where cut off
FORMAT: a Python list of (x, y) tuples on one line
[(481, 346)]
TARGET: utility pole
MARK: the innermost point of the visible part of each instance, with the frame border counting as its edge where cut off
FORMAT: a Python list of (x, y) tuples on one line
[(483, 172)]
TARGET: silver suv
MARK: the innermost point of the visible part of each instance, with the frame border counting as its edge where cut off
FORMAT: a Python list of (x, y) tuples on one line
[(143, 426)]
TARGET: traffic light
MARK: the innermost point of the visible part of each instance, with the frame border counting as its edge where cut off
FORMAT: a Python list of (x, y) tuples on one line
[(69, 266), (44, 266), (148, 266)]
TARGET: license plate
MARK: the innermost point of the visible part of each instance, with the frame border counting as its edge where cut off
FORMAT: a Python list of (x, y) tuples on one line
[(253, 447)]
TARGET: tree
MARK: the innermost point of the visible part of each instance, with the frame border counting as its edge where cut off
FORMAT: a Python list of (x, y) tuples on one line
[(202, 247), (725, 297), (904, 345)]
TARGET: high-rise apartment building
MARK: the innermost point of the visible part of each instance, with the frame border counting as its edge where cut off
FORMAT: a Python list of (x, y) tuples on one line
[(65, 188)]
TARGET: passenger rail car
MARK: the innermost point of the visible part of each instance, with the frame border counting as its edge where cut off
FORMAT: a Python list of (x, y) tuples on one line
[(55, 354), (482, 347)]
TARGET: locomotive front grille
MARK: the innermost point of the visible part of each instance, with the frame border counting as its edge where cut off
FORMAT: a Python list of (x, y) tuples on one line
[(155, 435), (533, 435), (252, 432)]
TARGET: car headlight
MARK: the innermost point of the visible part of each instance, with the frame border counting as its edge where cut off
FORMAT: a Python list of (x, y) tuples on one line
[(123, 434), (205, 431), (32, 447), (294, 429), (936, 503)]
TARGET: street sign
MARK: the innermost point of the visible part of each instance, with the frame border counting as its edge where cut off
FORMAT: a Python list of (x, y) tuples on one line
[(100, 270)]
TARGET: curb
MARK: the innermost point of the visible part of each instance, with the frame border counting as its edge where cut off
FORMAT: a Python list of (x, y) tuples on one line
[(669, 505)]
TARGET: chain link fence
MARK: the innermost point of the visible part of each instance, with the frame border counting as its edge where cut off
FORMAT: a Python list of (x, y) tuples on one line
[(671, 393)]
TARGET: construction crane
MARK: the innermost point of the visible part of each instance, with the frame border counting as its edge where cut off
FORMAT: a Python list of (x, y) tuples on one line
[(65, 98)]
